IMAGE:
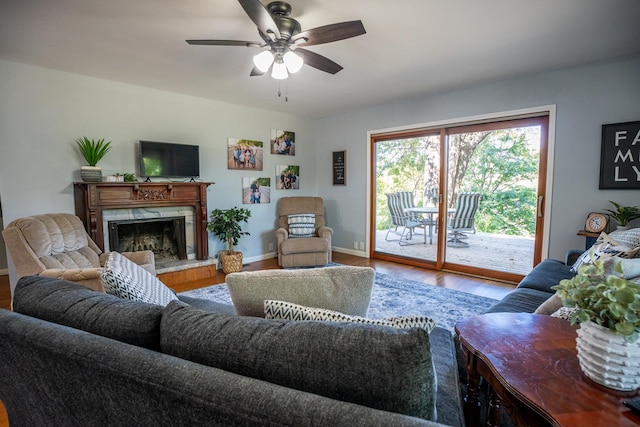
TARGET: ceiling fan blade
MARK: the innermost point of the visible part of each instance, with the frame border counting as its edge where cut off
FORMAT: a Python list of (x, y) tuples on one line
[(256, 72), (330, 33), (225, 43), (260, 16), (318, 61)]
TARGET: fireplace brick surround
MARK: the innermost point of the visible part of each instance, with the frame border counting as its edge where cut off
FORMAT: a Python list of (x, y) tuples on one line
[(93, 198)]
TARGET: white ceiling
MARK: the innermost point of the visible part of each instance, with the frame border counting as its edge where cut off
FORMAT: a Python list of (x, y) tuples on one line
[(412, 47)]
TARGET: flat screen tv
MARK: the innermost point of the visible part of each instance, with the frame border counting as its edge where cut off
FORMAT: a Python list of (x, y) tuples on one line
[(169, 160)]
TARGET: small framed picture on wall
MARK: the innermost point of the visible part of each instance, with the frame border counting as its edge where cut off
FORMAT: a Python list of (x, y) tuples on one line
[(339, 163)]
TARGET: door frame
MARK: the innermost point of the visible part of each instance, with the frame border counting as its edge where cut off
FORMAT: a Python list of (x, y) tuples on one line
[(549, 110)]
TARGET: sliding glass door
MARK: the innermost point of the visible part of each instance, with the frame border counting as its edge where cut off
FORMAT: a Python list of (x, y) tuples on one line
[(407, 182), (464, 198)]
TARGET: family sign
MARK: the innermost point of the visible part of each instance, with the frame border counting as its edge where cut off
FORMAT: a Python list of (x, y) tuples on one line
[(620, 156)]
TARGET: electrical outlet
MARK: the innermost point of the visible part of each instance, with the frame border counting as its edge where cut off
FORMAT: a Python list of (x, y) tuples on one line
[(361, 246), (355, 245), (270, 246)]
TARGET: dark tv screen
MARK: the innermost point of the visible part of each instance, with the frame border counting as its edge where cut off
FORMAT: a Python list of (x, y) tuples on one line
[(168, 160)]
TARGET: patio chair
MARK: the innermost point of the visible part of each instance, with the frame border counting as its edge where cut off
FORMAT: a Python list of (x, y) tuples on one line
[(463, 220), (397, 202)]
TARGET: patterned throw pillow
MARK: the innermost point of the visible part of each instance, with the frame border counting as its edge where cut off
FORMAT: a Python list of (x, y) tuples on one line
[(302, 225), (125, 279), (605, 247), (289, 311), (564, 313), (630, 238)]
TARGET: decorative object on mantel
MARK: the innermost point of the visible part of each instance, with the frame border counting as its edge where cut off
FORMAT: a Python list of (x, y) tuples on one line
[(92, 151), (607, 306), (129, 177), (623, 214), (225, 224), (114, 178)]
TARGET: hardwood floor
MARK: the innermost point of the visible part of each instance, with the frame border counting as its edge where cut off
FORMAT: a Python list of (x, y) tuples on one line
[(473, 285)]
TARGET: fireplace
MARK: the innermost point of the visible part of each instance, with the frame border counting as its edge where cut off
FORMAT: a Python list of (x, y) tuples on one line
[(98, 203), (165, 237)]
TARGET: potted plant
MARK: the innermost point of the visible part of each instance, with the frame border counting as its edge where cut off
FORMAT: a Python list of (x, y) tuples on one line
[(623, 214), (607, 306), (92, 151), (225, 224)]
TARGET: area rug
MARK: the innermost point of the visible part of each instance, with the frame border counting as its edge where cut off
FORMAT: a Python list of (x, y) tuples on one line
[(392, 296)]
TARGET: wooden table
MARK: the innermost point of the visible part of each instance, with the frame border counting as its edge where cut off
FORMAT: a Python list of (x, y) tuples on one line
[(530, 363)]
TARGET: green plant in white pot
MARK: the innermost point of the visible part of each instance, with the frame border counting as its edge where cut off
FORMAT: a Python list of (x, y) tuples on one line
[(607, 306), (225, 224), (623, 214), (93, 151)]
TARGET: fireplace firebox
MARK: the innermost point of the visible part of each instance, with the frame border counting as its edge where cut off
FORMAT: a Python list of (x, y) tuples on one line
[(165, 237)]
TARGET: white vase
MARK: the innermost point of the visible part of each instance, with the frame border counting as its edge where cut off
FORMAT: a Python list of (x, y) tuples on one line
[(607, 358)]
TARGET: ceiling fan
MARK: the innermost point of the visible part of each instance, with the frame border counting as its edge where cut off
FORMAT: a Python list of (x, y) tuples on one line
[(283, 38)]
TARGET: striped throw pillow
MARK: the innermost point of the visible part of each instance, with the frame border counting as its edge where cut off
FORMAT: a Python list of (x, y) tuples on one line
[(302, 225), (125, 279), (605, 247), (289, 311)]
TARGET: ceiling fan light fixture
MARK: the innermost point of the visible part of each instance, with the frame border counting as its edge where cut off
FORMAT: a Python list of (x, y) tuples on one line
[(279, 71), (293, 61), (263, 60)]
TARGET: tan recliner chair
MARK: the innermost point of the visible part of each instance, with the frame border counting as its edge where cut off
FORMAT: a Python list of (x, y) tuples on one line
[(57, 245), (303, 251)]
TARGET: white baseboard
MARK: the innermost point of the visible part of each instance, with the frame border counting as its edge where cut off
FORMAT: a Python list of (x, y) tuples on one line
[(354, 252), (268, 255), (4, 271)]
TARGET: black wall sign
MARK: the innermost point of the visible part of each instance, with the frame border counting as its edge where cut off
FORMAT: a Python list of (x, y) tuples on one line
[(340, 168), (620, 156)]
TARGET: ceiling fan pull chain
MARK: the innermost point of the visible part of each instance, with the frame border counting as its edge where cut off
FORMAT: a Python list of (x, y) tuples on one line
[(286, 91), (279, 92)]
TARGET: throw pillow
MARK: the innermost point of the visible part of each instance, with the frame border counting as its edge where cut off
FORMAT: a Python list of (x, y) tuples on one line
[(302, 225), (564, 313), (289, 311), (630, 266), (605, 247), (125, 279), (630, 238), (384, 368), (550, 306), (346, 289)]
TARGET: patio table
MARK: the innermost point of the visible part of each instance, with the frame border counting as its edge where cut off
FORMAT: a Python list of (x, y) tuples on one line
[(428, 212)]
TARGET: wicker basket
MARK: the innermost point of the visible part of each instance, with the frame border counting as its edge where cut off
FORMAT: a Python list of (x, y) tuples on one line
[(231, 263)]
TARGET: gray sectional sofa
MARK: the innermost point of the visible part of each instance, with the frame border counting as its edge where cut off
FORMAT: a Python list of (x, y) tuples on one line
[(73, 356), (535, 287)]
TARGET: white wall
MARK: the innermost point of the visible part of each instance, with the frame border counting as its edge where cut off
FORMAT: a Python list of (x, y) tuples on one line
[(42, 111), (586, 98)]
